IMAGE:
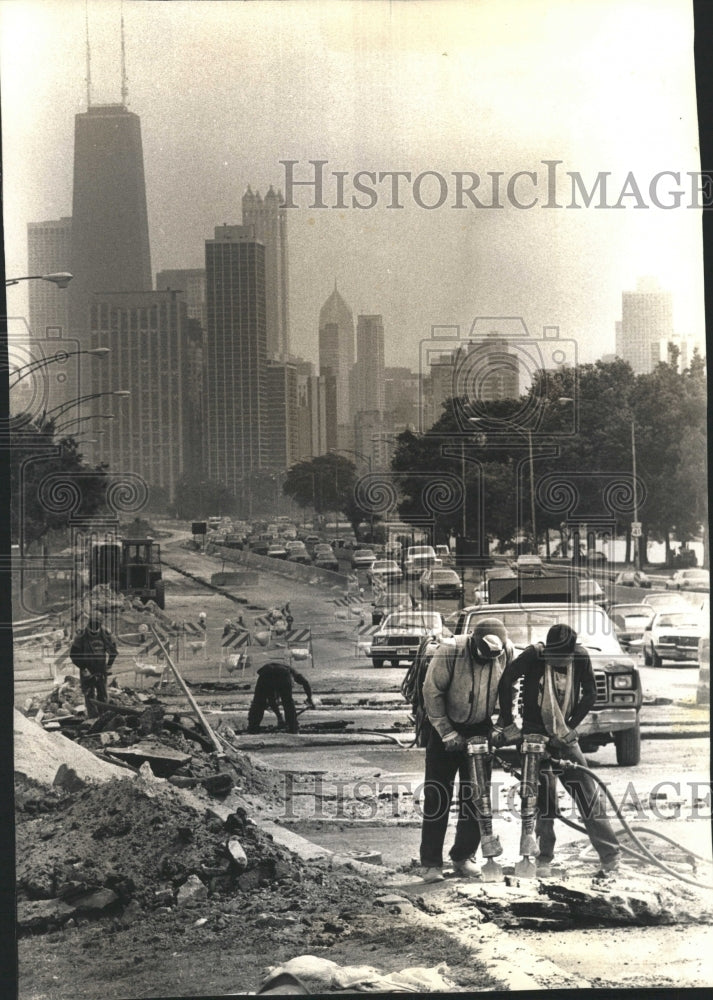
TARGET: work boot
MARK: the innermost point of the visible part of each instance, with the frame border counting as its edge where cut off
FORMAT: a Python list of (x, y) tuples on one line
[(466, 868), (544, 868), (610, 866), (433, 875)]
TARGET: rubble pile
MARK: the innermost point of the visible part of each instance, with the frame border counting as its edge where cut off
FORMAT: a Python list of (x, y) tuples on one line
[(134, 728), (101, 850)]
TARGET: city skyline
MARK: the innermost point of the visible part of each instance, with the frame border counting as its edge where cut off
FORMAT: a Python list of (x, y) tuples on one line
[(414, 267)]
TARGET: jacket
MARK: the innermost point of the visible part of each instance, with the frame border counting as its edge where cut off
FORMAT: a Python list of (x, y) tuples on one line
[(530, 665), (274, 671), (460, 691), (93, 651)]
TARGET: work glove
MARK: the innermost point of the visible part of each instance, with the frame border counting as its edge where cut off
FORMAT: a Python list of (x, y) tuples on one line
[(571, 737), (510, 734), (455, 743)]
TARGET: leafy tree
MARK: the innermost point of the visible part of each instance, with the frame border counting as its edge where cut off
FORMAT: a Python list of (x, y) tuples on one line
[(35, 455), (326, 483), (200, 498)]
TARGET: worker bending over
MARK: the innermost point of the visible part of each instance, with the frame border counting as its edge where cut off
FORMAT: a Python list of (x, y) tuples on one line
[(93, 651), (274, 685)]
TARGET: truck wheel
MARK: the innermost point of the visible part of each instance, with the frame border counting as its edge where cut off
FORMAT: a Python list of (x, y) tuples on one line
[(394, 663), (377, 661), (647, 657), (656, 660), (160, 594), (628, 746)]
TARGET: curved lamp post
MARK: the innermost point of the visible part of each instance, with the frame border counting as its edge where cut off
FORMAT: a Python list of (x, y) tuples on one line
[(24, 370), (63, 407), (79, 420), (60, 278)]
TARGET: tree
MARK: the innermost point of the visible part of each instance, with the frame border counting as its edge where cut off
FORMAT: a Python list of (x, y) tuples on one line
[(47, 475), (198, 498), (326, 483)]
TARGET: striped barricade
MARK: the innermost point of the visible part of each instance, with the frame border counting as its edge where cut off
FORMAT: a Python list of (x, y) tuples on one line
[(362, 639), (298, 640), (234, 646), (194, 638)]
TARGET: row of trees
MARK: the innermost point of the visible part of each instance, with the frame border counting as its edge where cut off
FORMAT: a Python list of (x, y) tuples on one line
[(584, 425)]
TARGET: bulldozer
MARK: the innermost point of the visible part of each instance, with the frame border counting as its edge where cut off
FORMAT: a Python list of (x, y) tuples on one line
[(130, 566)]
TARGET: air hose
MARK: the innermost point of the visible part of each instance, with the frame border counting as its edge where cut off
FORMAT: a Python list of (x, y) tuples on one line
[(646, 854)]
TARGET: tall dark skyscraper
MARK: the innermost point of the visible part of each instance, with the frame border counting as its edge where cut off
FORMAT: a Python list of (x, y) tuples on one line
[(235, 357), (110, 232), (336, 358)]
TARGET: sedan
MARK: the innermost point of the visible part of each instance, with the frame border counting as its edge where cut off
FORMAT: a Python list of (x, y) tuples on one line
[(690, 579), (632, 578), (277, 551), (441, 583), (662, 600), (400, 635), (362, 558), (590, 590), (385, 571), (672, 635), (297, 552), (630, 623), (326, 560)]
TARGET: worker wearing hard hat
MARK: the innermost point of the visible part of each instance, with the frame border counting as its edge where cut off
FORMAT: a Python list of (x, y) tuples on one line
[(93, 652), (459, 694)]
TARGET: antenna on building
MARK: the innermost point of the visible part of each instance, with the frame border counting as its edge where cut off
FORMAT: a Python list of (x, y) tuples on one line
[(124, 80), (89, 55)]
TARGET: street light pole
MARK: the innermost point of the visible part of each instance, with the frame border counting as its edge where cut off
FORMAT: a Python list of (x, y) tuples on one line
[(60, 278), (63, 407), (19, 373), (532, 493), (637, 549)]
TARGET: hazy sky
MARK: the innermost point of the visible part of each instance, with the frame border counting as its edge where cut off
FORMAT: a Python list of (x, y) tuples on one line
[(227, 90)]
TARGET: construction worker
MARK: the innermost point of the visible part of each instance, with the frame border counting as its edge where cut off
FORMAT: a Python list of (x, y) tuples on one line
[(558, 691), (274, 685), (459, 696), (93, 651)]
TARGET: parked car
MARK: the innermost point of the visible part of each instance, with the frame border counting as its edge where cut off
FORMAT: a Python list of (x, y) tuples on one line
[(400, 634), (297, 552), (672, 635), (390, 600), (437, 582), (690, 579), (595, 558), (630, 622), (277, 551), (632, 578), (615, 716), (530, 566), (419, 558), (326, 560), (362, 558), (385, 570)]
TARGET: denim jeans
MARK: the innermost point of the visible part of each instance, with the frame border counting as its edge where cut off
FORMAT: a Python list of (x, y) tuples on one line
[(590, 805)]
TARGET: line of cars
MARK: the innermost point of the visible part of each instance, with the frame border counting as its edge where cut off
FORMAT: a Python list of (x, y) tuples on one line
[(664, 625)]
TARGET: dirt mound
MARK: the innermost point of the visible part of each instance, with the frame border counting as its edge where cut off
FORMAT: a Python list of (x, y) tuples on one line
[(140, 841)]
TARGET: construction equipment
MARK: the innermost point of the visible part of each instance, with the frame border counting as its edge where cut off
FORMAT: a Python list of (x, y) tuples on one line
[(478, 753), (130, 566), (533, 747)]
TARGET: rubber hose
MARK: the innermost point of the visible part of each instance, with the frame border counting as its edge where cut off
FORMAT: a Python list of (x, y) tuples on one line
[(647, 855), (571, 766)]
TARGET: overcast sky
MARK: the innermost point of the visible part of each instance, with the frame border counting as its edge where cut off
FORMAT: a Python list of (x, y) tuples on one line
[(226, 91)]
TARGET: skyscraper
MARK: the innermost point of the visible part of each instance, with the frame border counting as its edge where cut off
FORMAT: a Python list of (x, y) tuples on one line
[(270, 226), (190, 281), (280, 427), (646, 319), (369, 380), (49, 250), (336, 358), (147, 334), (235, 356), (110, 232)]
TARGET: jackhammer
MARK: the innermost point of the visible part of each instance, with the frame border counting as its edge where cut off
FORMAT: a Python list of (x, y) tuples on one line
[(478, 753), (533, 747)]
